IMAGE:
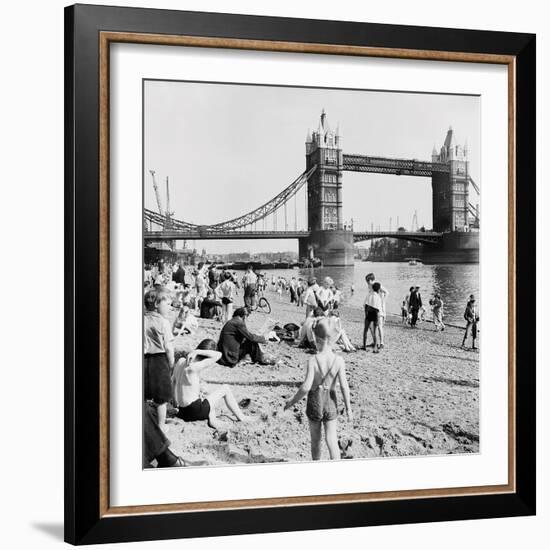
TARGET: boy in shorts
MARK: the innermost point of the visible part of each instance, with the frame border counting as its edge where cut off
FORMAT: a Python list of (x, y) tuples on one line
[(186, 381), (373, 307), (158, 350), (226, 293)]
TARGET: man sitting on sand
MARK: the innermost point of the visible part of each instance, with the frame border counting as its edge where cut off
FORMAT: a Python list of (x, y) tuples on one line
[(186, 382), (237, 342)]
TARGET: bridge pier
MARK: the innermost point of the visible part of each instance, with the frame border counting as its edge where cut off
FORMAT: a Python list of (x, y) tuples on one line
[(333, 247)]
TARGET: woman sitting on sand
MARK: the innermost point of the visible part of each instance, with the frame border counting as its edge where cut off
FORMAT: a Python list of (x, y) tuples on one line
[(186, 382), (323, 371), (338, 334), (185, 322)]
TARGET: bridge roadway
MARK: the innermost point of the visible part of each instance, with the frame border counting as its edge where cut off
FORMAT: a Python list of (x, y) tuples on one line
[(358, 236), (399, 167)]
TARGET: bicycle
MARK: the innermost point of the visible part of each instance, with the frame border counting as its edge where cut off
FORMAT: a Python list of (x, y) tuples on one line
[(260, 304)]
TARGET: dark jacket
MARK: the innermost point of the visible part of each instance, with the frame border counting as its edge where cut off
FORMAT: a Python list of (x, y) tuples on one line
[(209, 308), (179, 276), (415, 301), (470, 313), (232, 336)]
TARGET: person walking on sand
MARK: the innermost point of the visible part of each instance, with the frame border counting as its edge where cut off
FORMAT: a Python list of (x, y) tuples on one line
[(324, 370), (415, 303), (404, 312), (187, 396), (437, 309), (407, 302), (293, 287), (250, 280), (472, 318), (300, 290), (383, 292), (280, 286)]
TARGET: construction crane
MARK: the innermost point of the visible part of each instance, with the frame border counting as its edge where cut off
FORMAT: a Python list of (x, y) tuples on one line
[(169, 214), (157, 195)]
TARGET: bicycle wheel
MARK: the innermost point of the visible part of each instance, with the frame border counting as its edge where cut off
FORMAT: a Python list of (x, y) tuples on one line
[(264, 306)]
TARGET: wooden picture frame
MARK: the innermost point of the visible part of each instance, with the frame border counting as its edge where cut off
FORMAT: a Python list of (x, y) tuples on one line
[(89, 32)]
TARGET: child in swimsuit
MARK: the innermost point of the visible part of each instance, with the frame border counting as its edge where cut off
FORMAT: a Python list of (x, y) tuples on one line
[(186, 381), (324, 370)]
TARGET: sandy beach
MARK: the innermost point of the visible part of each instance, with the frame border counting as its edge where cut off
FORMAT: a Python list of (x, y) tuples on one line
[(419, 396)]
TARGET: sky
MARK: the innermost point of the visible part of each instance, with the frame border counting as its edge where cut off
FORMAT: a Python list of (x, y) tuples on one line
[(228, 148)]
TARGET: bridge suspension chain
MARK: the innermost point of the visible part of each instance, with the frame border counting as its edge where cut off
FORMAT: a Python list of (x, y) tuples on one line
[(268, 208), (246, 220)]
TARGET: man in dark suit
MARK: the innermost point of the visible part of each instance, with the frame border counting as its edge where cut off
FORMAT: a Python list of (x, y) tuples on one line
[(236, 341), (415, 303)]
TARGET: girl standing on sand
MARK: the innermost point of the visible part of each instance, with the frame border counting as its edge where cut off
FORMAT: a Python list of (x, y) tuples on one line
[(324, 369)]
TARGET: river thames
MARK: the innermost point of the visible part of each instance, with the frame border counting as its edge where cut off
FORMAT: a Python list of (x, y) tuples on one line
[(453, 282)]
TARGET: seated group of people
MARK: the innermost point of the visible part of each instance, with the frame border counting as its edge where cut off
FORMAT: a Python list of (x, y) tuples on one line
[(168, 379), (306, 336), (236, 343)]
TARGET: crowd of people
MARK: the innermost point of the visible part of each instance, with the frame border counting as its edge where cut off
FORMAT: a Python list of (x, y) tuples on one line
[(172, 380)]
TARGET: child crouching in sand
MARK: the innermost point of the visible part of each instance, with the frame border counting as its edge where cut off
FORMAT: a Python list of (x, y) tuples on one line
[(186, 380), (323, 370)]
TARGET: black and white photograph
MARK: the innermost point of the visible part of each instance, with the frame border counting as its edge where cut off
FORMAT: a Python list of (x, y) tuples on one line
[(310, 273)]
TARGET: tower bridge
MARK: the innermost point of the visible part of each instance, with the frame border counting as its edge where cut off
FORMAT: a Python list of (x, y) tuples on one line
[(326, 236)]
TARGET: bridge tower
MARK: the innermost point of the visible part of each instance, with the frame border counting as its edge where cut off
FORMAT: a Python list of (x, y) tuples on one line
[(450, 187), (328, 241)]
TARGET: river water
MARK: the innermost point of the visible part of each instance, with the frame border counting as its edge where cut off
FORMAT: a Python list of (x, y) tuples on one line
[(453, 282)]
